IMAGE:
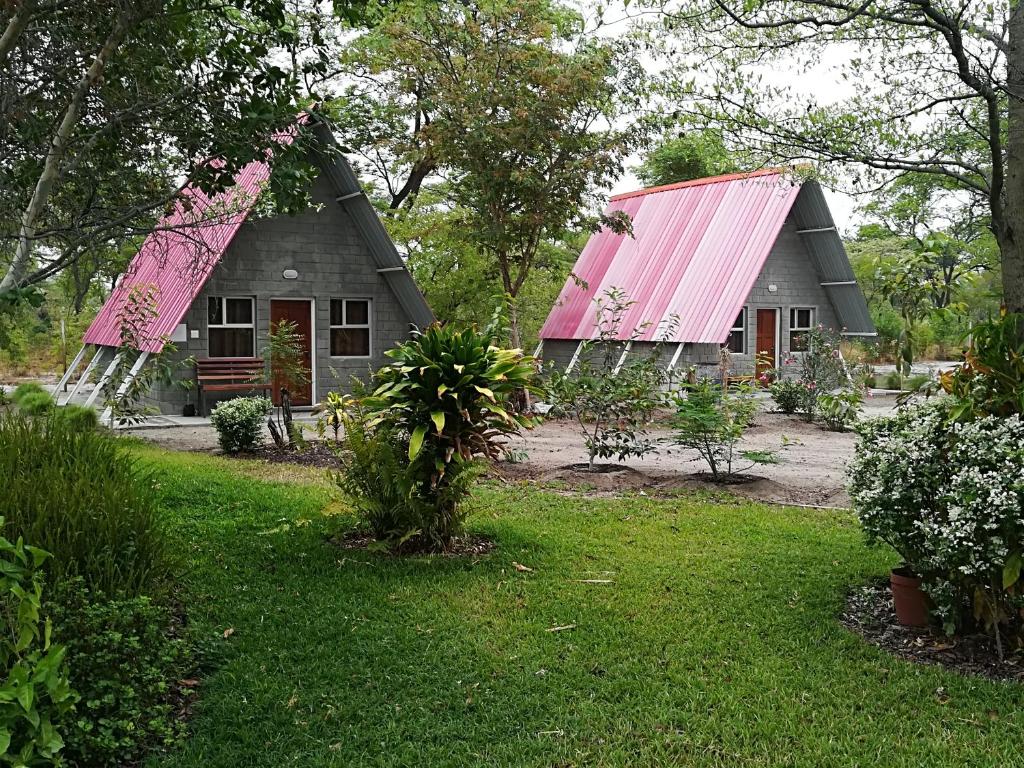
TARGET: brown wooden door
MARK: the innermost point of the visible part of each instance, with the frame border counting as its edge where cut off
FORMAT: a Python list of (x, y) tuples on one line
[(767, 354), (298, 311)]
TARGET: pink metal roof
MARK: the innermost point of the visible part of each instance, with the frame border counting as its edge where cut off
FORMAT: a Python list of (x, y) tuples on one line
[(696, 250), (178, 257)]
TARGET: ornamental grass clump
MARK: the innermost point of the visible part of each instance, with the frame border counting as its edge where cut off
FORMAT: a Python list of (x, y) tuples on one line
[(411, 447), (80, 496)]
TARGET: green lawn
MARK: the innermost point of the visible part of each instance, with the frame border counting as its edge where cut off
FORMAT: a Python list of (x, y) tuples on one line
[(716, 643)]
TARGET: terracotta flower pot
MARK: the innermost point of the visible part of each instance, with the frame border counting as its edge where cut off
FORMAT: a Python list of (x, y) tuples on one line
[(909, 600)]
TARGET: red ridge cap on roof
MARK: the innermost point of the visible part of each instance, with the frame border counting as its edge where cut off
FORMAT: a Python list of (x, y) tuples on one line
[(700, 182)]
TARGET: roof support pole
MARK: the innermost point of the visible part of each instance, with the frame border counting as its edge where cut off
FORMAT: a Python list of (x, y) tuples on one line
[(575, 357), (67, 374), (675, 357), (539, 349), (136, 367), (622, 359), (103, 379), (84, 377)]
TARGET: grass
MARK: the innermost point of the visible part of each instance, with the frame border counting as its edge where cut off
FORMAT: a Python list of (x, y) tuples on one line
[(716, 643)]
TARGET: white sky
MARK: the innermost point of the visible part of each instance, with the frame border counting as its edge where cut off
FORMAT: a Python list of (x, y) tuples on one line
[(822, 83)]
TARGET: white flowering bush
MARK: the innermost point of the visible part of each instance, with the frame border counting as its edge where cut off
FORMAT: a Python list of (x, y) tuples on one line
[(976, 541), (896, 476), (949, 498), (239, 422)]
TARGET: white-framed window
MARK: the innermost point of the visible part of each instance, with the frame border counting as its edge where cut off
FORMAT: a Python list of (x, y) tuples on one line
[(737, 341), (350, 327), (231, 324), (801, 320)]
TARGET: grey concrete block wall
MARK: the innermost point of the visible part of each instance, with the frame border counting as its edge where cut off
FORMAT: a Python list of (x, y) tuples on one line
[(790, 269), (332, 262)]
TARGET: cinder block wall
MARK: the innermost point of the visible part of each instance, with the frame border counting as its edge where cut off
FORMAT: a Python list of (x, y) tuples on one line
[(325, 248)]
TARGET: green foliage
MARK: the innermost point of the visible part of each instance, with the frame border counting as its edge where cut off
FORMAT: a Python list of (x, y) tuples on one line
[(788, 395), (239, 422), (123, 391), (840, 410), (820, 365), (521, 111), (80, 495), (36, 403), (610, 403), (377, 477), (331, 413), (26, 388), (947, 496), (123, 655), (35, 693), (991, 379), (692, 155), (79, 417), (446, 396), (286, 366), (711, 418)]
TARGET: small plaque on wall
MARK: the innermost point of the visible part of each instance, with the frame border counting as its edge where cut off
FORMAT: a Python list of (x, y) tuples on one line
[(180, 334)]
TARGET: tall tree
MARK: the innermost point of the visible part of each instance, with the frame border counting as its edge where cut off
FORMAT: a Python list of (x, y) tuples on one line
[(518, 108), (106, 105), (939, 90), (691, 155)]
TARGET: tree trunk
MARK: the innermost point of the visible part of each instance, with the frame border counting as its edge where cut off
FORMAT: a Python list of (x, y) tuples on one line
[(55, 155), (1010, 232), (15, 27)]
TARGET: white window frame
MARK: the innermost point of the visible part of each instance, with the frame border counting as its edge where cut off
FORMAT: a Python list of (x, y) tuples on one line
[(368, 325), (223, 315), (799, 328), (742, 329)]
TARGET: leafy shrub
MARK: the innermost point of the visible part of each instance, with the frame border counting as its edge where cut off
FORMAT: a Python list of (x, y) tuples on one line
[(35, 693), (36, 403), (788, 395), (821, 367), (24, 389), (445, 399), (947, 497), (896, 476), (123, 655), (840, 410), (79, 417), (611, 403), (991, 380), (5, 399), (711, 420), (80, 496), (239, 422), (377, 476)]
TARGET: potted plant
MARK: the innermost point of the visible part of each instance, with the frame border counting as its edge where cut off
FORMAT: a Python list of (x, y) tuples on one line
[(896, 483)]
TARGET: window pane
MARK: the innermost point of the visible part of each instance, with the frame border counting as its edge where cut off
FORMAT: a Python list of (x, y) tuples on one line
[(357, 312), (735, 343), (239, 311), (336, 312), (214, 315), (231, 342), (739, 319), (350, 342)]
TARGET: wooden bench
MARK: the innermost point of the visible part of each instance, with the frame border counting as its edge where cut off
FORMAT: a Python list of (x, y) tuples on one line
[(229, 374)]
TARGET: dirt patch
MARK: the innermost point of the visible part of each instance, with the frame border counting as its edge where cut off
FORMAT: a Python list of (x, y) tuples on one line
[(461, 546), (869, 613), (314, 454), (811, 468)]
